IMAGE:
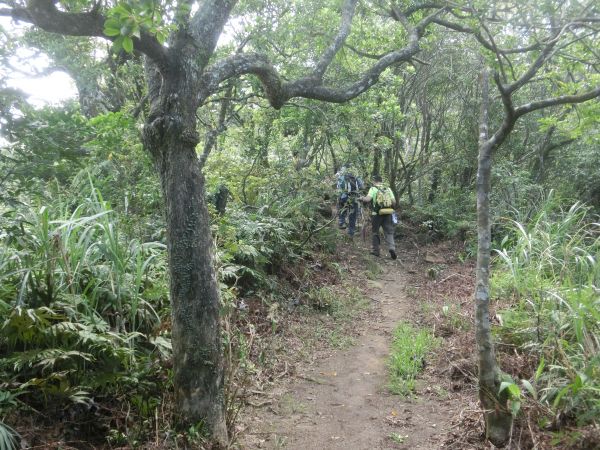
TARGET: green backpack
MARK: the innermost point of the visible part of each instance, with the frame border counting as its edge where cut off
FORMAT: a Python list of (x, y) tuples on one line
[(383, 201)]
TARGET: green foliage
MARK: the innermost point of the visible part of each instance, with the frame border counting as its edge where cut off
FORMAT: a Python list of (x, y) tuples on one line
[(409, 349), (83, 276), (80, 307), (450, 216), (43, 145), (281, 225), (8, 437), (513, 393), (551, 270), (122, 171), (126, 20)]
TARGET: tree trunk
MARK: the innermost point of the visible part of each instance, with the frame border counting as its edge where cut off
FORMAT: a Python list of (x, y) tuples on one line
[(498, 419), (376, 161), (170, 137), (387, 162), (435, 181), (198, 364)]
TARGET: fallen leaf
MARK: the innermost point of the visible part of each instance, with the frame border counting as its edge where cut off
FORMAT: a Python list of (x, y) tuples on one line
[(329, 374)]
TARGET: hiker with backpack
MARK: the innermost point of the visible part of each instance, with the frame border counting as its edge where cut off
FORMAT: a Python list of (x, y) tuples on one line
[(349, 186), (382, 201)]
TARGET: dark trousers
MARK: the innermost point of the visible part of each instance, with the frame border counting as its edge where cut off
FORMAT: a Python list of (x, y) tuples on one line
[(348, 206), (387, 224)]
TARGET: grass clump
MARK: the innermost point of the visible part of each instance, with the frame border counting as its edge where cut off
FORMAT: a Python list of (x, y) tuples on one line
[(341, 305), (373, 269), (550, 273), (409, 348)]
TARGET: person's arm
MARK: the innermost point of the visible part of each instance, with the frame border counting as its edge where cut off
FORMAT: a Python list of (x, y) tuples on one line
[(367, 198)]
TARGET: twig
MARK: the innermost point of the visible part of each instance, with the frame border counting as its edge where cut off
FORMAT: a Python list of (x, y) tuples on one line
[(259, 404), (314, 380), (315, 231), (448, 277)]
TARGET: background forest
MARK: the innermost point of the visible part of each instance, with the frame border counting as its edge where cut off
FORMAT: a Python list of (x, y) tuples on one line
[(85, 314)]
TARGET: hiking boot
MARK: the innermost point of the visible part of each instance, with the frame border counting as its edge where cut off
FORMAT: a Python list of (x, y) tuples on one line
[(342, 226), (375, 254), (393, 254)]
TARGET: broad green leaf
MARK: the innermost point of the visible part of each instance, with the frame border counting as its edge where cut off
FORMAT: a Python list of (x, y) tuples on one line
[(127, 44), (111, 32)]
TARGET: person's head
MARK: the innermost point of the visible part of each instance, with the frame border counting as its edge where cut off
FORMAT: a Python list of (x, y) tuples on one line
[(377, 179)]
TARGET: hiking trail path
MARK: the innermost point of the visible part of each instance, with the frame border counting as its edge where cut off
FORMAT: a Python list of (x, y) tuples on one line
[(341, 401)]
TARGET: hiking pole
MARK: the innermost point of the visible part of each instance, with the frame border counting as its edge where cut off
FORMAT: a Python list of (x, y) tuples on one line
[(363, 231)]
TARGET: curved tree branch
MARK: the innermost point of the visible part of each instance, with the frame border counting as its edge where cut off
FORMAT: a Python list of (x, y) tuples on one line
[(363, 54), (278, 91), (536, 65), (338, 42), (562, 100), (479, 37), (307, 88), (45, 15)]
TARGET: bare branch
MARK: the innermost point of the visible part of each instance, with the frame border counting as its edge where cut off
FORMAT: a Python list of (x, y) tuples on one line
[(240, 64), (562, 100), (363, 54), (338, 42), (420, 27), (537, 64), (477, 35), (45, 15), (499, 55), (310, 86)]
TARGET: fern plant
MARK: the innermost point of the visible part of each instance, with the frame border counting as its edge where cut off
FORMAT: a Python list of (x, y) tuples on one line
[(80, 304)]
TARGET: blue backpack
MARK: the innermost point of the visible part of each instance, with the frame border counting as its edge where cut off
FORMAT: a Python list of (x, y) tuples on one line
[(351, 184)]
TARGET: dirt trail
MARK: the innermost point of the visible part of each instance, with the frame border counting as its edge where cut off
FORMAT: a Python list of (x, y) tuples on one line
[(341, 402)]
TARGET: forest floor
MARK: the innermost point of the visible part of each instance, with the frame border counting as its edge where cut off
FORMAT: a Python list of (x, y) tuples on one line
[(335, 395)]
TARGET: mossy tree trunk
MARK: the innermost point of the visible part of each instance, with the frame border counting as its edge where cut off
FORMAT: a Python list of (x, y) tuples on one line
[(498, 418)]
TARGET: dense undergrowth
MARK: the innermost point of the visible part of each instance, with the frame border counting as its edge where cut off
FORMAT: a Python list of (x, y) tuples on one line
[(86, 310), (85, 331), (546, 285)]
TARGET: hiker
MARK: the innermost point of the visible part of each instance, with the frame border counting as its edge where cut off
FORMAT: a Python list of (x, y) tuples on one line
[(349, 186), (382, 201)]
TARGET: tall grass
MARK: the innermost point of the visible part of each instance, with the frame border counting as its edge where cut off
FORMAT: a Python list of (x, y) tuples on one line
[(550, 267), (79, 303)]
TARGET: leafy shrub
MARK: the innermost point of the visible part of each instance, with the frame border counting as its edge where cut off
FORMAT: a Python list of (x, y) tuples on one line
[(80, 305), (282, 226)]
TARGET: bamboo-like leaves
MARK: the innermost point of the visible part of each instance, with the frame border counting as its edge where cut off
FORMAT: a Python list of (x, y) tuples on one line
[(553, 266)]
